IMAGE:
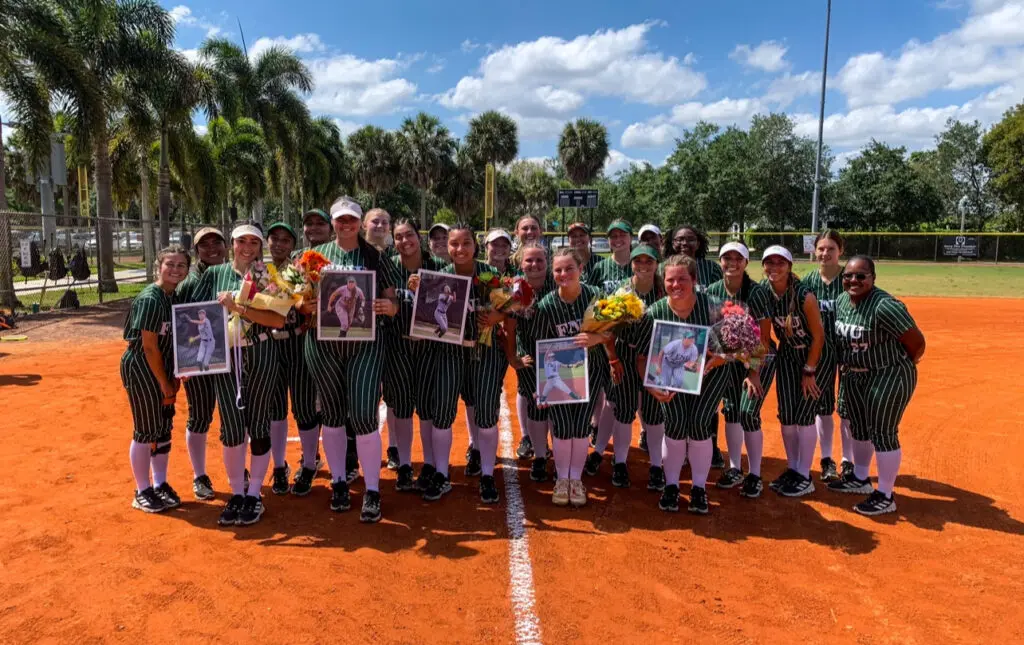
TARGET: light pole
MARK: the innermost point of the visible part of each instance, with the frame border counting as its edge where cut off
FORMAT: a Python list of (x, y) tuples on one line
[(821, 126)]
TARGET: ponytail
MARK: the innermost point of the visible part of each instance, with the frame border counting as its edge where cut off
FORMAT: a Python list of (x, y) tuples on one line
[(746, 287), (791, 283)]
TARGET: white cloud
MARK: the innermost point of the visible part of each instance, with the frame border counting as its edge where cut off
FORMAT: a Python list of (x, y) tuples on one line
[(182, 15), (726, 111), (784, 89), (191, 54), (436, 67), (468, 46), (618, 161), (347, 85), (346, 127), (649, 135), (300, 44), (769, 56), (200, 128)]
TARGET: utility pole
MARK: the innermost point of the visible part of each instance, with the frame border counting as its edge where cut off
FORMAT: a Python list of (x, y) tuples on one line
[(821, 125)]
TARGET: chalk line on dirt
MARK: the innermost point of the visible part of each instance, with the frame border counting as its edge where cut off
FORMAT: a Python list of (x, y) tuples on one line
[(520, 570)]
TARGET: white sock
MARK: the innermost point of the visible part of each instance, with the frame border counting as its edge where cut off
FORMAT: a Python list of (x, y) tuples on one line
[(675, 455), (488, 447), (563, 457), (196, 444), (335, 449), (791, 441), (258, 467), (826, 428), (846, 439), (140, 457), (522, 405), (310, 442), (755, 450), (234, 466), (862, 453), (656, 444), (392, 439), (580, 448), (538, 436), (427, 441), (474, 429), (369, 450), (605, 427), (888, 468), (734, 441), (623, 433), (808, 439), (278, 441), (159, 465), (700, 453), (401, 432), (441, 438)]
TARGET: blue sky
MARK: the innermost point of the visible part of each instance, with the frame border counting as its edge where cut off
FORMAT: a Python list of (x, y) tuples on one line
[(897, 68)]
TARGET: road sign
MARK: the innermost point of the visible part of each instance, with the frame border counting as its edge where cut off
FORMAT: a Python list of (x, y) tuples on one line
[(964, 246), (577, 198)]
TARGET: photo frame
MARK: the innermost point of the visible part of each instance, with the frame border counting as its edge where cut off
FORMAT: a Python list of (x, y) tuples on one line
[(345, 306), (200, 337), (440, 307), (563, 372), (681, 367)]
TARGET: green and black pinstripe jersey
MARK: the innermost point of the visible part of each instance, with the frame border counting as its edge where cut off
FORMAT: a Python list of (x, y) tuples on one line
[(708, 273), (294, 319), (475, 296), (608, 274), (625, 338), (525, 340), (556, 318), (406, 297), (588, 267), (151, 311), (355, 260), (826, 293), (868, 333), (187, 287), (757, 300), (792, 332), (700, 315), (223, 278)]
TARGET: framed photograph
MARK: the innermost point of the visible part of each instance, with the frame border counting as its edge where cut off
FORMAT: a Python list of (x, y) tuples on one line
[(675, 359), (562, 372), (345, 306), (440, 307), (200, 336)]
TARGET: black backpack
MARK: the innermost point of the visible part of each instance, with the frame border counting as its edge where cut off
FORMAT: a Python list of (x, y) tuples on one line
[(79, 266), (58, 268), (36, 265), (69, 300)]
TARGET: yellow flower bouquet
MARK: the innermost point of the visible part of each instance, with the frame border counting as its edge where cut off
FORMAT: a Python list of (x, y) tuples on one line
[(611, 312)]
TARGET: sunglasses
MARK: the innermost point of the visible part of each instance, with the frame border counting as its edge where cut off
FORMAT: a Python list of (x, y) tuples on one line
[(860, 277)]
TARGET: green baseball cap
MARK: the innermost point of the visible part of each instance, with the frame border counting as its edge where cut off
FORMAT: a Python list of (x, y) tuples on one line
[(277, 225), (316, 211), (643, 249), (620, 225)]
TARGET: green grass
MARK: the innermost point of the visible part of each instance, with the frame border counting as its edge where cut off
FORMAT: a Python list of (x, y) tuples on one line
[(942, 280), (86, 295)]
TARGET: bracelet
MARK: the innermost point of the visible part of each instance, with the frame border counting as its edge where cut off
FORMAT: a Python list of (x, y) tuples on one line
[(613, 361), (810, 370)]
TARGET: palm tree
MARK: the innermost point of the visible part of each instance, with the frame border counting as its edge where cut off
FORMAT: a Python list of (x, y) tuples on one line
[(424, 145), (323, 164), (582, 149), (493, 138), (462, 183), (241, 155), (375, 160)]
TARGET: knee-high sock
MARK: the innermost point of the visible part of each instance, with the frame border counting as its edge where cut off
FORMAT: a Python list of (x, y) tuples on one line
[(196, 452), (336, 449), (522, 405), (623, 433), (755, 450), (826, 428), (675, 455), (392, 439), (310, 442), (888, 468), (474, 429), (234, 465), (846, 439), (862, 453), (605, 427), (488, 447), (401, 432), (580, 448), (278, 441), (538, 436), (791, 441), (563, 457), (599, 401), (258, 467), (441, 438), (808, 438), (140, 457), (734, 441), (427, 441), (159, 465), (369, 449), (700, 453), (656, 443)]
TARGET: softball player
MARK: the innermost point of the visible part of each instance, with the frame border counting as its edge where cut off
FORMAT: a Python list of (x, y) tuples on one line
[(498, 245), (406, 382), (629, 396), (211, 250), (437, 237), (687, 427), (744, 394), (147, 376), (560, 315), (826, 285), (444, 300), (206, 341), (801, 368), (293, 378), (377, 228), (347, 302), (580, 240), (475, 371), (879, 347), (347, 375), (650, 235), (258, 369), (316, 227), (528, 229)]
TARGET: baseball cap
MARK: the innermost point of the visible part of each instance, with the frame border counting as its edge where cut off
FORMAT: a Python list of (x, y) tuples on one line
[(579, 225), (644, 249), (649, 228), (497, 233), (439, 225), (780, 251), (208, 230), (739, 247), (318, 212), (345, 206), (620, 225), (246, 229), (285, 226)]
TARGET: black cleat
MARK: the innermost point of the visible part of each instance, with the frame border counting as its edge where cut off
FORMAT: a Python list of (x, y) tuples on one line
[(846, 469), (643, 440), (752, 486), (469, 451), (828, 470), (729, 478), (148, 501), (202, 487), (717, 460), (796, 486), (229, 516), (351, 475), (669, 501), (352, 462), (620, 476), (539, 469), (593, 463), (280, 480), (656, 479), (439, 486), (340, 499), (473, 467), (698, 501), (876, 504), (303, 482), (781, 480), (850, 484), (393, 462), (404, 482), (426, 477), (525, 449), (252, 510), (371, 507), (319, 463), (168, 495), (488, 491)]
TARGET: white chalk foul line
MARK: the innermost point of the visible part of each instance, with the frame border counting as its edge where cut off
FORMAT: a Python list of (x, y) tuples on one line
[(520, 570)]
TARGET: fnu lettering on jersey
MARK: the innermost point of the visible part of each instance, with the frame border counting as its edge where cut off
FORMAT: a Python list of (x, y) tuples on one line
[(855, 336), (570, 328)]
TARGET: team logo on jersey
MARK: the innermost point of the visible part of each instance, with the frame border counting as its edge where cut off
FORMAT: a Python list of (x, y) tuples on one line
[(797, 340), (292, 318), (165, 328), (827, 305), (405, 295), (610, 286), (854, 335), (570, 328)]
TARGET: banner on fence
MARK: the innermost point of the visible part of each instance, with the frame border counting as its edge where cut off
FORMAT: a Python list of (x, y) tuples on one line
[(809, 243), (26, 253), (965, 246)]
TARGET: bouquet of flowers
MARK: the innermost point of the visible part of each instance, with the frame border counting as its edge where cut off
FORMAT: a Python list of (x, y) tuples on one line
[(262, 288), (607, 314), (505, 295), (736, 336), (302, 277)]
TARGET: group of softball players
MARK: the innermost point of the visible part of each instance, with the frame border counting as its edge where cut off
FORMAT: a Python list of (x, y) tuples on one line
[(834, 320)]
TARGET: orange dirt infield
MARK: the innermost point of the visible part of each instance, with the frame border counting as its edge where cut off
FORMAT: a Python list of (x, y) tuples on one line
[(78, 565)]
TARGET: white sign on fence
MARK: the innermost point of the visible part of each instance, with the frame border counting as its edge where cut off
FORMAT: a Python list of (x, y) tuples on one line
[(809, 243), (26, 253)]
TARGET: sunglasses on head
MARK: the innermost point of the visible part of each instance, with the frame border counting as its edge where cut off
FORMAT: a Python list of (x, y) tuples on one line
[(856, 276)]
